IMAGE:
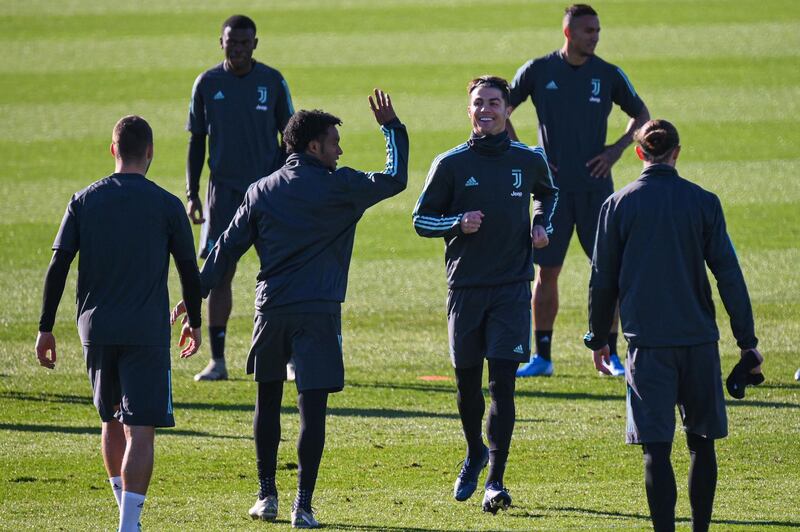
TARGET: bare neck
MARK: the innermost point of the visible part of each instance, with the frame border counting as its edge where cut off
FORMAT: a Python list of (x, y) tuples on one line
[(128, 167), (571, 56)]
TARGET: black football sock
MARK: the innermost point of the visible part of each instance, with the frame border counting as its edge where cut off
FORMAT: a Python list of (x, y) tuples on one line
[(543, 341), (267, 434), (471, 407), (612, 342), (702, 480), (659, 482), (217, 338), (740, 375), (500, 422), (312, 405)]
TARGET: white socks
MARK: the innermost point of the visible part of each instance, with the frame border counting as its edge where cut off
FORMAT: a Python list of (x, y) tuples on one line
[(130, 511), (116, 487)]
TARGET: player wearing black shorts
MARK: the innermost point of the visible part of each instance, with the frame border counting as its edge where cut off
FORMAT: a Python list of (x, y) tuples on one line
[(655, 238), (477, 197), (240, 105), (302, 221), (125, 228), (573, 91)]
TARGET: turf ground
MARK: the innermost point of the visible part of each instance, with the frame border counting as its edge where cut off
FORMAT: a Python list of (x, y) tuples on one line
[(726, 72)]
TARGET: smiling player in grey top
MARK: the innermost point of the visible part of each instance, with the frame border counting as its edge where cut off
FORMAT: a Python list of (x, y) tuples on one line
[(573, 91)]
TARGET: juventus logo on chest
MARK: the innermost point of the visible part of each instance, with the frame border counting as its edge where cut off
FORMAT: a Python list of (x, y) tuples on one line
[(262, 98), (594, 98)]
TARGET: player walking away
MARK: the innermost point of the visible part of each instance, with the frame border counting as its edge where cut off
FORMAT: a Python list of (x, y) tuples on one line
[(240, 105), (125, 227), (302, 221), (477, 197), (573, 91), (654, 240)]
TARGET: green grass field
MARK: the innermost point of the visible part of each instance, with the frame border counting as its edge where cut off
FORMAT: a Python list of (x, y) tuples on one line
[(727, 73)]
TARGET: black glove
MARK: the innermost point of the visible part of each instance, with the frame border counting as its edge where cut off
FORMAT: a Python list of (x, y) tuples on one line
[(740, 376)]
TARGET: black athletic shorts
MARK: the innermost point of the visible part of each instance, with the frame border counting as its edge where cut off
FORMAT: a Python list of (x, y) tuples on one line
[(489, 322), (660, 378), (313, 339), (221, 205), (131, 383), (579, 210)]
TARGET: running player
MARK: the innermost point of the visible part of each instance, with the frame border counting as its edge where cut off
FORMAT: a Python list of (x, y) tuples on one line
[(477, 197)]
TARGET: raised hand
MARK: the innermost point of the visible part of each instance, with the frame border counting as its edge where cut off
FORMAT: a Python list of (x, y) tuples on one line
[(381, 107)]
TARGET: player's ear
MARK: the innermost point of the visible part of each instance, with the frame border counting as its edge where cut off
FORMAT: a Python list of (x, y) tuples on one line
[(113, 150), (676, 152), (220, 43), (149, 152), (255, 43), (566, 32), (640, 153)]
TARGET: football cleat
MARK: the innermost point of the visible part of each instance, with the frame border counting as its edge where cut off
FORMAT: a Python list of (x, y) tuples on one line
[(265, 509), (214, 371), (537, 367), (467, 480), (496, 498), (797, 375), (304, 519), (615, 366)]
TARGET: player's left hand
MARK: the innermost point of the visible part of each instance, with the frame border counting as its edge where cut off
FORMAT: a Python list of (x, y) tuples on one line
[(602, 358), (46, 343), (540, 238), (382, 107), (600, 165), (176, 313)]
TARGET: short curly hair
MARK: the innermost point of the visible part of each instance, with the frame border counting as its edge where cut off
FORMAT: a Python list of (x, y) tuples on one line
[(305, 126)]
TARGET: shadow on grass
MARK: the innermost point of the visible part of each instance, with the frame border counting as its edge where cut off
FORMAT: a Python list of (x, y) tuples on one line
[(342, 526), (20, 427), (451, 389), (741, 522)]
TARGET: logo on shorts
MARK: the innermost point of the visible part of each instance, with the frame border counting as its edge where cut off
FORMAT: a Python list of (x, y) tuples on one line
[(595, 91), (519, 350)]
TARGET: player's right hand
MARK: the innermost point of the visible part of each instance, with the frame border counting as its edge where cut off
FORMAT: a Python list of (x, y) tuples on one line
[(382, 107), (193, 335), (194, 208), (602, 358), (46, 343), (471, 222)]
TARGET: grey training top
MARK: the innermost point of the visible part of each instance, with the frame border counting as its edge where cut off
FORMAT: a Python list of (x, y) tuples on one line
[(124, 228), (654, 240), (572, 105), (242, 117)]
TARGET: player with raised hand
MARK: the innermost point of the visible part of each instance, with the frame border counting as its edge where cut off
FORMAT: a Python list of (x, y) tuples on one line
[(477, 197), (302, 221), (125, 227), (655, 238), (574, 91)]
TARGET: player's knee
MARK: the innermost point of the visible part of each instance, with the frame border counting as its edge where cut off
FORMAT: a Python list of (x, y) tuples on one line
[(699, 445)]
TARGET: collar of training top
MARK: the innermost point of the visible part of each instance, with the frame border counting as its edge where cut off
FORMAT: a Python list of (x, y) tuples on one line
[(659, 169), (297, 159), (490, 144)]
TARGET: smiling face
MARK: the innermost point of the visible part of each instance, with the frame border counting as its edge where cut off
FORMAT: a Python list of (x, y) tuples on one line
[(487, 110), (238, 46), (327, 148)]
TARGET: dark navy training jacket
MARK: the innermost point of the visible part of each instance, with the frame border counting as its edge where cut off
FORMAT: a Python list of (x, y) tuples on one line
[(654, 240), (302, 221), (497, 177)]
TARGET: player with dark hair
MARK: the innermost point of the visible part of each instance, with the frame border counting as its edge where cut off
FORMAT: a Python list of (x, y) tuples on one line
[(240, 105), (123, 306), (655, 238), (477, 197), (573, 91), (302, 221)]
